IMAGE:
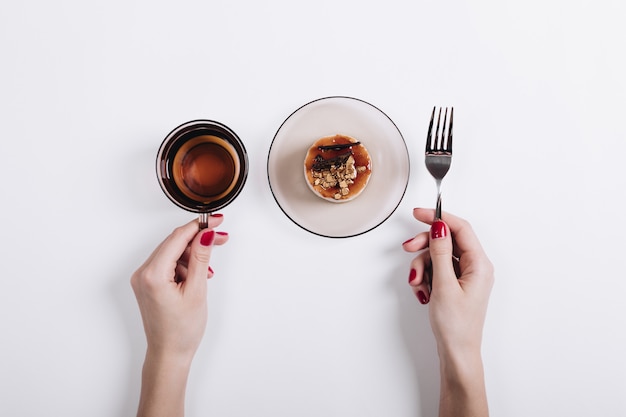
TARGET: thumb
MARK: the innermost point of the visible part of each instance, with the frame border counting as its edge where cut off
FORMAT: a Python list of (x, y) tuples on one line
[(440, 248), (199, 257)]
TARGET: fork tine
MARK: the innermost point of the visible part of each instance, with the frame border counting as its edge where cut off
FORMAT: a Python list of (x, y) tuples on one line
[(449, 143), (443, 130), (438, 139), (429, 138)]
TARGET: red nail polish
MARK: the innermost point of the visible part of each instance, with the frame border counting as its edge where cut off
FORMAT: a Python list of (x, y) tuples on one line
[(438, 230), (217, 215), (210, 270), (222, 233), (407, 241), (422, 297), (412, 275), (207, 238)]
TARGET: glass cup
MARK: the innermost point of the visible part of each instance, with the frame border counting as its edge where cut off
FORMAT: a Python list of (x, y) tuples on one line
[(202, 167)]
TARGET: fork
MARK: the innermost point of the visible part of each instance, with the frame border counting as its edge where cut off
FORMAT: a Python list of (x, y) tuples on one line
[(439, 151)]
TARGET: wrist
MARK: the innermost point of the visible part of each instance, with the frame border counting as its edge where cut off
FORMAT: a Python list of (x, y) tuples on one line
[(462, 381), (166, 359), (460, 364), (175, 350), (463, 391), (164, 382)]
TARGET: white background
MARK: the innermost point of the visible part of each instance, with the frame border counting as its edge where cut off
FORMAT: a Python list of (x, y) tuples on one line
[(89, 89)]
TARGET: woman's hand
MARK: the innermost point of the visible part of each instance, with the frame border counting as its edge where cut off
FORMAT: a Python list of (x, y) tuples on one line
[(455, 277), (171, 291)]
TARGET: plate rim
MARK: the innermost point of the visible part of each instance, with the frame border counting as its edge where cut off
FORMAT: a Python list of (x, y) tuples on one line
[(408, 160)]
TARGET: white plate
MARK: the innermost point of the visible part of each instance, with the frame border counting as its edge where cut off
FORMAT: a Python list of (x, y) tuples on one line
[(351, 117)]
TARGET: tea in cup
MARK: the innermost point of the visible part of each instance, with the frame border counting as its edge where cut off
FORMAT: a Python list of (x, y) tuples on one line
[(202, 166)]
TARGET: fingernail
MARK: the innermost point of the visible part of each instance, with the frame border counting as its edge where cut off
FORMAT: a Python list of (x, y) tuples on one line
[(422, 297), (207, 238), (406, 241), (210, 270), (222, 233), (217, 215), (438, 230), (412, 275)]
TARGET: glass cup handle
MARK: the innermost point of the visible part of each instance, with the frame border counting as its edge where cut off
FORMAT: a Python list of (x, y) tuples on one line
[(204, 220)]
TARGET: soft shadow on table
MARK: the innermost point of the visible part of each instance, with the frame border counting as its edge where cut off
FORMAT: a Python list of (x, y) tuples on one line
[(125, 307), (414, 327)]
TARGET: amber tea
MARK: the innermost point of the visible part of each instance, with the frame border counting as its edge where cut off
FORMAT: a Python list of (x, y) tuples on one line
[(205, 168)]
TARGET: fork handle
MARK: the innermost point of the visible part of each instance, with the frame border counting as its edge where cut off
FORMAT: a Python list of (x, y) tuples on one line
[(438, 207)]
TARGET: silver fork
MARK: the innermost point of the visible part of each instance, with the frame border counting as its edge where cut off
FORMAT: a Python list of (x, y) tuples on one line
[(439, 151)]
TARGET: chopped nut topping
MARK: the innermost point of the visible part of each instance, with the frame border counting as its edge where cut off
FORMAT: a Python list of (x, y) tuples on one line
[(341, 176)]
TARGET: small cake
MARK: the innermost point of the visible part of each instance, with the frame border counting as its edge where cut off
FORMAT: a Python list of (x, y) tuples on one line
[(337, 168)]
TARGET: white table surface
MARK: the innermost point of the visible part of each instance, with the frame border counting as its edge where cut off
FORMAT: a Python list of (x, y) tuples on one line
[(89, 89)]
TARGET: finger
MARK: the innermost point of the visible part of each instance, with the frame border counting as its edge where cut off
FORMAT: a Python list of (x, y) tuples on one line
[(220, 238), (417, 243), (422, 292), (215, 219), (424, 215), (184, 258), (173, 247), (180, 273), (440, 248), (464, 237), (199, 257), (419, 277)]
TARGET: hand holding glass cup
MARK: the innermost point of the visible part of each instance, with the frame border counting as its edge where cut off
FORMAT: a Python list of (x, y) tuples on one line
[(202, 166)]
